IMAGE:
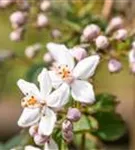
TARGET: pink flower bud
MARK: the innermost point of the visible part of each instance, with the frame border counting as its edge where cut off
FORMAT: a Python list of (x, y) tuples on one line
[(17, 17), (56, 34), (114, 65), (15, 36), (47, 57), (78, 53), (68, 136), (42, 20), (121, 34), (40, 139), (31, 51), (33, 130), (102, 42), (37, 46), (73, 114), (115, 24), (45, 5), (90, 32), (67, 125), (5, 3)]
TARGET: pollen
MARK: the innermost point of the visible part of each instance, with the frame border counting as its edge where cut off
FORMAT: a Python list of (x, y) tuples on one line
[(32, 101), (64, 72)]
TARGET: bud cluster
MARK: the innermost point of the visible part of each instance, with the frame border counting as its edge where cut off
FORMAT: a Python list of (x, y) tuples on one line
[(32, 51), (38, 138), (73, 115), (26, 13)]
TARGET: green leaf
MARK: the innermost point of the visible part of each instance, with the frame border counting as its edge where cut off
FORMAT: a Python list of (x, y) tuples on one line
[(63, 145), (104, 103), (2, 147), (89, 143), (57, 135), (93, 123), (82, 125), (124, 45), (111, 126), (19, 140)]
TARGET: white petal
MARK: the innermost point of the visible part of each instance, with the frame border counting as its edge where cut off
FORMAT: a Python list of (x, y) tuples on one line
[(51, 145), (82, 91), (29, 147), (86, 67), (47, 123), (61, 54), (56, 80), (45, 83), (28, 88), (59, 97), (29, 117)]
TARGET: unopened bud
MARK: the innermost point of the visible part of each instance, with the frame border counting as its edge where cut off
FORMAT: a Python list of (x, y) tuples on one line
[(56, 34), (15, 36), (121, 34), (68, 136), (45, 5), (37, 46), (42, 20), (17, 17), (67, 125), (5, 3), (47, 57), (90, 32), (114, 65), (6, 54), (73, 114), (115, 24), (31, 51), (102, 42), (78, 53), (40, 139), (33, 130)]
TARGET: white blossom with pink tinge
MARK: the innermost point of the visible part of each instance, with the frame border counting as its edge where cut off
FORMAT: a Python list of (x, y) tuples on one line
[(74, 76), (38, 104)]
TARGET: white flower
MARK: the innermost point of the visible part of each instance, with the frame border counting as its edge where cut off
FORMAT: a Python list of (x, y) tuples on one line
[(37, 103), (29, 147), (73, 76), (50, 145)]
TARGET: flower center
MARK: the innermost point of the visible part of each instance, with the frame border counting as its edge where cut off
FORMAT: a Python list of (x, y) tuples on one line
[(31, 102), (64, 72)]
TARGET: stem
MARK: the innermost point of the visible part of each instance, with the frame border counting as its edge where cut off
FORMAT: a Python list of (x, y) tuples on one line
[(83, 142)]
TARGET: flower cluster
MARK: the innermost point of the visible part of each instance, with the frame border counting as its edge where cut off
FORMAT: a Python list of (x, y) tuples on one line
[(107, 42), (33, 13), (66, 79)]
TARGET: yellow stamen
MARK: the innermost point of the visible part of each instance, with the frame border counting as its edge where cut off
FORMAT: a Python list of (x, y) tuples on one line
[(32, 101)]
